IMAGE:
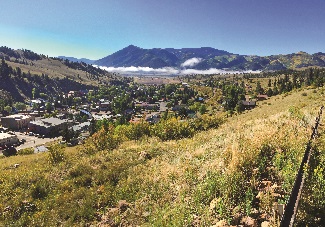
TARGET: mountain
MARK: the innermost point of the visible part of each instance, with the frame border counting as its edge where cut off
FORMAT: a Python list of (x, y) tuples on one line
[(206, 57), (23, 70), (135, 56), (73, 59)]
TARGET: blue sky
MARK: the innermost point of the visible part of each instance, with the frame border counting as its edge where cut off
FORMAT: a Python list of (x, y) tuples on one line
[(97, 28)]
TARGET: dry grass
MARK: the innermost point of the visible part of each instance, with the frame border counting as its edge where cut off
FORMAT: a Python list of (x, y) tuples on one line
[(196, 181)]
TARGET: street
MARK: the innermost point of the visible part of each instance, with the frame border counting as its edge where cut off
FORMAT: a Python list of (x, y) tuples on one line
[(33, 141)]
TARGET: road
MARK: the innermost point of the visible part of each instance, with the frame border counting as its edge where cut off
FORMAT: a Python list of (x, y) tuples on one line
[(33, 141)]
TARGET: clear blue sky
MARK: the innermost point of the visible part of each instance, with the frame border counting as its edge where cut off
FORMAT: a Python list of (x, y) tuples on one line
[(97, 28)]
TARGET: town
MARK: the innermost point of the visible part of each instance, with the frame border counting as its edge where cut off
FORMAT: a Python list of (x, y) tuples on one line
[(67, 117)]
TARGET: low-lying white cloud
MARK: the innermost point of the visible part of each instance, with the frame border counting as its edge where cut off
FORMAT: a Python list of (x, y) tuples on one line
[(168, 71), (191, 62)]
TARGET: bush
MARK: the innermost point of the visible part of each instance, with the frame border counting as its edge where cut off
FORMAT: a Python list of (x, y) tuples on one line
[(11, 151), (56, 154), (172, 129), (106, 139), (26, 151)]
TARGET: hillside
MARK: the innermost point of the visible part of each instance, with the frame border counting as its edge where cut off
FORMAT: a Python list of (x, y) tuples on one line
[(229, 175), (22, 70), (206, 58)]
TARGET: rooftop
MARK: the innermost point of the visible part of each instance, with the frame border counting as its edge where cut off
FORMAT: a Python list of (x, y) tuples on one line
[(52, 121), (6, 135), (18, 116)]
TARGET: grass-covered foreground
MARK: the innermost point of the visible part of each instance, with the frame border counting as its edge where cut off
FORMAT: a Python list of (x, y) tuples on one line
[(231, 175)]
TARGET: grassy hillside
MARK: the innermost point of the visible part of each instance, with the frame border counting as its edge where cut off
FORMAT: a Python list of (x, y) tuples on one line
[(230, 175), (22, 70)]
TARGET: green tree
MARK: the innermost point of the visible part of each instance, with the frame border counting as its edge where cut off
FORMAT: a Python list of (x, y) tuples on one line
[(20, 106), (48, 107), (259, 89), (203, 109), (239, 107), (8, 109), (34, 93)]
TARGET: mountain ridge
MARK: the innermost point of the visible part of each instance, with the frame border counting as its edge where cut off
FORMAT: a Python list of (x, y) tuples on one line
[(73, 59), (208, 57)]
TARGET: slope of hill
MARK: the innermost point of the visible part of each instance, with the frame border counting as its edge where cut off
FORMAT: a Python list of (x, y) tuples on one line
[(206, 58), (22, 70), (231, 175)]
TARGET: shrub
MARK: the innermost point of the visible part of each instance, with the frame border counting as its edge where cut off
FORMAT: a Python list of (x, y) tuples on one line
[(106, 139), (26, 151), (172, 129), (39, 190), (56, 154)]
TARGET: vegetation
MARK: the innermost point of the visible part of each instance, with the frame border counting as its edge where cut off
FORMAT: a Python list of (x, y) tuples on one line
[(125, 175), (221, 165)]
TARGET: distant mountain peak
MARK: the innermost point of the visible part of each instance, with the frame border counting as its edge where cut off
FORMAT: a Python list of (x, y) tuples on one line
[(132, 47), (203, 58), (301, 52), (73, 59)]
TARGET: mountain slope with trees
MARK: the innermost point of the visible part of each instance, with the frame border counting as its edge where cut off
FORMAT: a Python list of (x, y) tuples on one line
[(23, 70)]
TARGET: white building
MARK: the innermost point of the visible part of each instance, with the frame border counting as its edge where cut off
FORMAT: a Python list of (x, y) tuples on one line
[(7, 139)]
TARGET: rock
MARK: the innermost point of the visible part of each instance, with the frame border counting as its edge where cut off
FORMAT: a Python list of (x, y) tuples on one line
[(248, 221), (123, 205), (265, 224), (214, 203), (221, 223), (144, 155)]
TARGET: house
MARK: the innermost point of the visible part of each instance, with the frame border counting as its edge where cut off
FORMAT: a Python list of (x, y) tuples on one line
[(16, 121), (99, 117), (7, 139), (105, 106), (72, 94), (262, 97), (40, 102), (147, 106), (179, 107), (248, 104), (81, 127), (129, 111), (85, 113)]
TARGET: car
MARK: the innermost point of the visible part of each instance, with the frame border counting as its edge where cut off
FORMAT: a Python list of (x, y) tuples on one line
[(30, 133)]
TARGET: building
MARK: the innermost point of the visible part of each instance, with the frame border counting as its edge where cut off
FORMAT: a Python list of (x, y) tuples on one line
[(262, 97), (147, 106), (7, 139), (105, 106), (48, 126), (81, 127), (16, 121), (85, 113), (248, 104)]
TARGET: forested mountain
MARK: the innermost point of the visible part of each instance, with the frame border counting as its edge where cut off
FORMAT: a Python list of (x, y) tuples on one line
[(207, 57)]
